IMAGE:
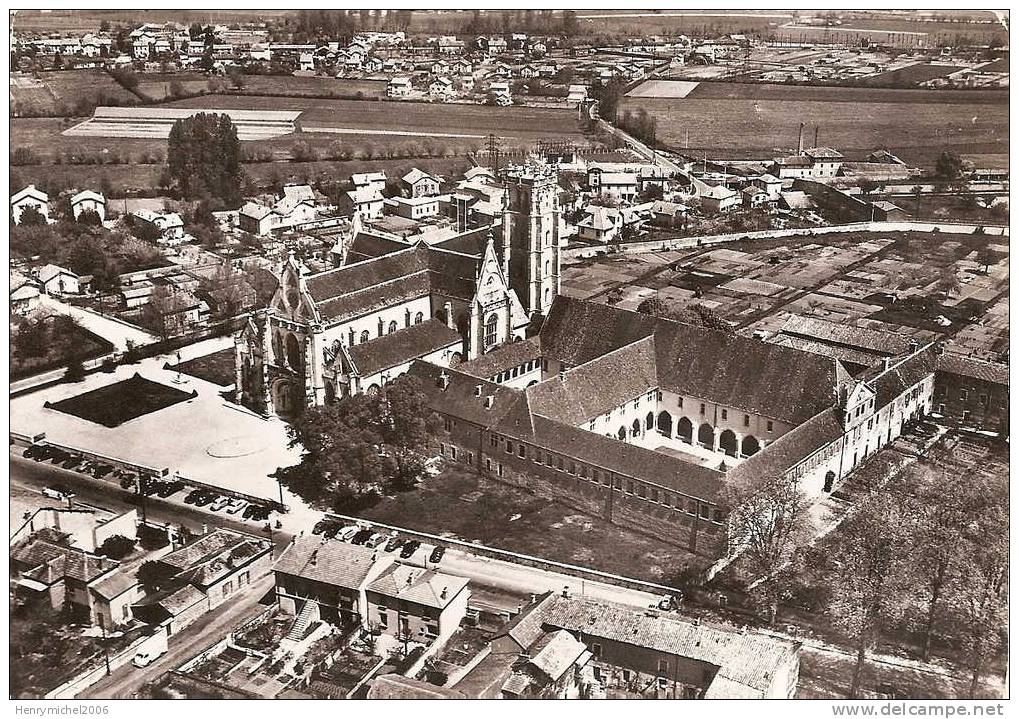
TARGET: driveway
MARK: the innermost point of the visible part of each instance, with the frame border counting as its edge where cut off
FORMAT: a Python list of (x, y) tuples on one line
[(112, 330)]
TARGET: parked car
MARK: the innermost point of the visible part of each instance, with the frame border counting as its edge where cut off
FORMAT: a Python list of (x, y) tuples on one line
[(236, 505), (362, 536), (147, 656), (191, 497), (347, 533), (409, 548), (394, 543), (70, 462), (220, 503), (57, 491), (437, 554), (205, 498), (33, 451), (671, 602), (101, 471), (256, 512), (323, 525), (375, 540)]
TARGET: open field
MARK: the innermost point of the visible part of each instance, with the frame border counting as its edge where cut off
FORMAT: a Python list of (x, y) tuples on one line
[(312, 86), (217, 367), (757, 121), (507, 122), (911, 74), (65, 92), (471, 507)]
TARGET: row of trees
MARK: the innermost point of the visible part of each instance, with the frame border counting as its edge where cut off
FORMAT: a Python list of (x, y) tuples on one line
[(924, 555), (360, 448)]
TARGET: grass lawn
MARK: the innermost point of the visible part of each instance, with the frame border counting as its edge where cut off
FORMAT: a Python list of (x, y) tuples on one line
[(73, 343), (470, 507), (217, 367), (289, 85), (121, 402), (60, 92)]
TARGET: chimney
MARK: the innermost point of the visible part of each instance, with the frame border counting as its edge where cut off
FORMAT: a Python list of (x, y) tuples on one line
[(913, 346), (313, 559), (939, 349), (448, 309), (444, 380), (887, 361), (489, 401), (443, 593), (477, 390), (799, 145)]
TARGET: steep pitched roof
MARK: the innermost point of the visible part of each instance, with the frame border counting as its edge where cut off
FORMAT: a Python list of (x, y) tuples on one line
[(327, 560), (892, 382), (963, 366), (404, 345), (461, 396), (511, 355), (397, 686), (576, 331), (418, 586), (48, 562)]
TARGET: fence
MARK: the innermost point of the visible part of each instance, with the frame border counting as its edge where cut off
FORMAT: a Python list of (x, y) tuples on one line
[(504, 555)]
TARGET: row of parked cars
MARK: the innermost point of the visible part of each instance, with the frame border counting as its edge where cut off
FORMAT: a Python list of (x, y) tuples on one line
[(387, 542), (163, 488), (68, 460)]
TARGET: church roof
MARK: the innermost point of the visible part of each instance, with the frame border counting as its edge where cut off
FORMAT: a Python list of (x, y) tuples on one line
[(402, 346)]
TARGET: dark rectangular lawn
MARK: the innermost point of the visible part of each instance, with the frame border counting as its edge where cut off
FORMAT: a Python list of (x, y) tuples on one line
[(121, 402), (217, 367)]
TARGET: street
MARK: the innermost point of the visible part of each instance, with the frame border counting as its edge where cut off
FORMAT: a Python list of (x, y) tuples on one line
[(31, 477), (206, 630)]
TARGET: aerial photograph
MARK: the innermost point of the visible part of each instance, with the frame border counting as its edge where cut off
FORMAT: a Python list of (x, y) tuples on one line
[(388, 354)]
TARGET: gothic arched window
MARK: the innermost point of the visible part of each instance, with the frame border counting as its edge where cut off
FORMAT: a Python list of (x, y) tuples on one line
[(418, 318), (392, 327), (491, 330), (364, 336)]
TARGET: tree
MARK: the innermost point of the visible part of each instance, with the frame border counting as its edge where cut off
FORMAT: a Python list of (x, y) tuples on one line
[(861, 568), (75, 371), (31, 217), (571, 26), (116, 547), (154, 575), (768, 519), (949, 166), (986, 257), (236, 75), (203, 158), (948, 282), (32, 338), (361, 447), (654, 306)]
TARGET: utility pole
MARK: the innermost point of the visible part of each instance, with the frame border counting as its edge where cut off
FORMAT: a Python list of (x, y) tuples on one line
[(493, 153)]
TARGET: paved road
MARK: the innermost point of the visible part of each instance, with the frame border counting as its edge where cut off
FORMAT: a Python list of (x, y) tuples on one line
[(124, 682), (29, 476), (114, 331)]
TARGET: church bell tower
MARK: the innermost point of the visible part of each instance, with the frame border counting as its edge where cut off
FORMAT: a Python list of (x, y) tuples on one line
[(530, 232)]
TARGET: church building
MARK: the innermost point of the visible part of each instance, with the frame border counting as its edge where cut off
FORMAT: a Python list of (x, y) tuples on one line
[(355, 327)]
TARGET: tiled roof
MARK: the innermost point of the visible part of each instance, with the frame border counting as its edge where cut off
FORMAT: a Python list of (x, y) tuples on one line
[(745, 373), (366, 246), (377, 296), (215, 555), (861, 338), (404, 345), (327, 560), (555, 653), (361, 275), (418, 586), (576, 331), (900, 377), (460, 398), (748, 660), (791, 448), (597, 386), (963, 366), (505, 357), (114, 585), (49, 562), (184, 598)]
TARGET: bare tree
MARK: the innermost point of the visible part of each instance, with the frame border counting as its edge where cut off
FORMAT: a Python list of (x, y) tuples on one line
[(768, 519)]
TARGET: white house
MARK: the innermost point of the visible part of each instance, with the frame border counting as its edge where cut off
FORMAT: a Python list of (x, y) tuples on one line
[(420, 184), (414, 208), (296, 206), (88, 201), (25, 294), (368, 201), (58, 280), (441, 88), (33, 197), (366, 179), (578, 93), (169, 224), (467, 83), (399, 87), (719, 198), (500, 90)]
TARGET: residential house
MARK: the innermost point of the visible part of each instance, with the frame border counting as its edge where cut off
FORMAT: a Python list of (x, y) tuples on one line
[(420, 183), (25, 294), (296, 206), (466, 83), (415, 603), (29, 197), (373, 65), (70, 577), (578, 94), (369, 179), (500, 92), (770, 184), (885, 211), (462, 67), (399, 87), (56, 280), (441, 88), (719, 198), (306, 62), (368, 201), (169, 225), (414, 208), (440, 67), (88, 201), (753, 196)]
